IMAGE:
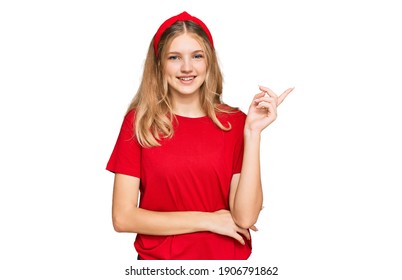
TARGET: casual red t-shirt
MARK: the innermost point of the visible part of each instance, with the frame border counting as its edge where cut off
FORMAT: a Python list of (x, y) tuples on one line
[(190, 172)]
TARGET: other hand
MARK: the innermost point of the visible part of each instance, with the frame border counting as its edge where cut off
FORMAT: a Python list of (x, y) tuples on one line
[(263, 109), (223, 224)]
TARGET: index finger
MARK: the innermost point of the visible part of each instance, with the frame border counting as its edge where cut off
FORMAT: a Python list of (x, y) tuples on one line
[(245, 233), (284, 95), (268, 91)]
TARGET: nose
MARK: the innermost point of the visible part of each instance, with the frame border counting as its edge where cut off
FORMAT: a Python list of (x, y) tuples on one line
[(187, 65)]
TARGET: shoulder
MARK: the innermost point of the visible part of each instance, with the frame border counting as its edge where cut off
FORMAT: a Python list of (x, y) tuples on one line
[(127, 125), (129, 117), (231, 114)]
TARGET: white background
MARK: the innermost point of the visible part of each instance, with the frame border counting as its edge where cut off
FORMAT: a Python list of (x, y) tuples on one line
[(331, 162)]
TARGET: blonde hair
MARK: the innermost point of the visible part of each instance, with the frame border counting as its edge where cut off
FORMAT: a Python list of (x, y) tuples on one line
[(152, 102)]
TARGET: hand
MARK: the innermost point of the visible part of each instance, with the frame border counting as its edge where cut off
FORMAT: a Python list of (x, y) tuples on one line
[(262, 111), (222, 223)]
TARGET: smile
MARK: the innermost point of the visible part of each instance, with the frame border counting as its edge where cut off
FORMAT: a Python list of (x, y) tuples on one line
[(187, 78)]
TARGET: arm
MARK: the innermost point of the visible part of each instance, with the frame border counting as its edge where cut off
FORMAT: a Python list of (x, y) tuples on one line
[(128, 217), (246, 191)]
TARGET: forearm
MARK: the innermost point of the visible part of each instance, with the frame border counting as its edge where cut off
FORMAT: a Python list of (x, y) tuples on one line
[(248, 197), (143, 221)]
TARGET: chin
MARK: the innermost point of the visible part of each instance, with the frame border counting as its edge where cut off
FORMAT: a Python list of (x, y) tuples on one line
[(188, 91)]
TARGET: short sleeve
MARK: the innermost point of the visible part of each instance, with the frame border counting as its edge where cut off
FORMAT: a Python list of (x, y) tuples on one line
[(238, 127), (126, 155)]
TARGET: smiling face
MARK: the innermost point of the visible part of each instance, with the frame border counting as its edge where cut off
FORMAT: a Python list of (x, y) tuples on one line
[(185, 66)]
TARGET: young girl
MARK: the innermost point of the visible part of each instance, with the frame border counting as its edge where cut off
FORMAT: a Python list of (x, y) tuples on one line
[(192, 161)]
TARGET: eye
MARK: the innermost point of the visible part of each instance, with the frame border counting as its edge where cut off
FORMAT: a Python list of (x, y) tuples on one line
[(173, 57), (198, 56)]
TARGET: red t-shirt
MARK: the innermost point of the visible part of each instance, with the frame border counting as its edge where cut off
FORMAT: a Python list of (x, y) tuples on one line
[(190, 172)]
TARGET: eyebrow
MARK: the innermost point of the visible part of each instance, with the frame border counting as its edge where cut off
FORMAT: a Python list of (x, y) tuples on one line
[(176, 52)]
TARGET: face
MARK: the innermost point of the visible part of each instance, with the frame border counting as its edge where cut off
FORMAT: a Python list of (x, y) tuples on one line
[(185, 66)]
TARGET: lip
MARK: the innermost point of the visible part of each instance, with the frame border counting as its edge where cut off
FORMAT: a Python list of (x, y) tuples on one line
[(186, 78)]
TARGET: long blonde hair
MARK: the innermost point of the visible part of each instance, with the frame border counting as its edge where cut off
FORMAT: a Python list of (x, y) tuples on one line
[(152, 102)]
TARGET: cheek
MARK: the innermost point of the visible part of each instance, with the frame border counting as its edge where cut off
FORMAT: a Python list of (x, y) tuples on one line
[(169, 69), (202, 68)]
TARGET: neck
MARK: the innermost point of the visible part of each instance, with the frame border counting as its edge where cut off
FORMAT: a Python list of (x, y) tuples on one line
[(188, 106)]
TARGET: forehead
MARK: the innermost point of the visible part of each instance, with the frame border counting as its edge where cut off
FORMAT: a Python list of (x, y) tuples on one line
[(186, 42)]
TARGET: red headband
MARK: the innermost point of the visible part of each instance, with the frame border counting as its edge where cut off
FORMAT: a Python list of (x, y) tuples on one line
[(180, 17)]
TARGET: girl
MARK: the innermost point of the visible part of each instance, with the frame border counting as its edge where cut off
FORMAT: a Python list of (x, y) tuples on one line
[(194, 160)]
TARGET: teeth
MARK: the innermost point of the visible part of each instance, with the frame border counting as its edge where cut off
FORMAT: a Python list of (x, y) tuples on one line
[(187, 79)]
